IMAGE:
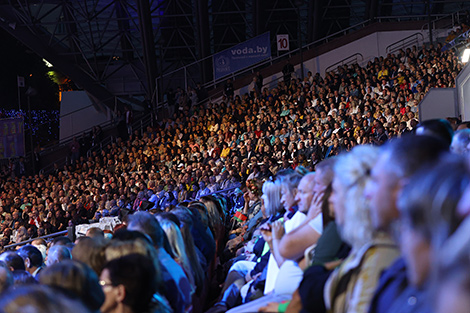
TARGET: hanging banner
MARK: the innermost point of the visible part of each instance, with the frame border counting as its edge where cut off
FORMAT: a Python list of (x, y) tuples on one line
[(241, 56), (11, 138)]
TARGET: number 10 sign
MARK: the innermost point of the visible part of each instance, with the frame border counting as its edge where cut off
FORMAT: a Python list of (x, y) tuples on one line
[(282, 42)]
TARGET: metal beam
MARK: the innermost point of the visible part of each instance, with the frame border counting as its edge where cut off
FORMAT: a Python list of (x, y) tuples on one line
[(148, 46), (10, 23)]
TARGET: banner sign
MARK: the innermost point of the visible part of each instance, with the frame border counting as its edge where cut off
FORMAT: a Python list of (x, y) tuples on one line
[(11, 138), (242, 55), (282, 43)]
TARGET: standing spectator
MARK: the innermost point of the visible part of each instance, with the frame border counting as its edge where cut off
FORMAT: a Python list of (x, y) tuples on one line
[(287, 71), (228, 89), (129, 119), (74, 150)]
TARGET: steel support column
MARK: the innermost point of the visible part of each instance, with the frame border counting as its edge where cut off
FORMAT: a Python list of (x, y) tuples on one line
[(202, 14), (148, 47)]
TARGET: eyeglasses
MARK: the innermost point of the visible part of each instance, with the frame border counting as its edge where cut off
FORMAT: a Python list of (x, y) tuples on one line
[(104, 283)]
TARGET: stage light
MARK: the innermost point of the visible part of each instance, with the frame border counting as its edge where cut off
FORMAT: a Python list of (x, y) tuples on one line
[(47, 63)]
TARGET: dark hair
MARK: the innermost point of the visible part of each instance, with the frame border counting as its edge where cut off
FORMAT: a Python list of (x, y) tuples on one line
[(429, 202), (13, 260), (411, 152), (438, 128), (42, 298), (125, 235), (6, 277), (148, 224), (32, 253), (21, 277), (137, 274), (76, 278)]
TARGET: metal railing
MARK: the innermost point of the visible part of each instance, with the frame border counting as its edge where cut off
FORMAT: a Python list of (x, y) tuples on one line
[(454, 17), (186, 78), (60, 233), (352, 59), (414, 39)]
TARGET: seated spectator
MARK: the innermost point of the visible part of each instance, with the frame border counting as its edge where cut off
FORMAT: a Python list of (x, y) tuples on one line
[(90, 252), (6, 277), (351, 286), (177, 284), (43, 299), (57, 254), (128, 284), (13, 261), (398, 161), (76, 278), (33, 260)]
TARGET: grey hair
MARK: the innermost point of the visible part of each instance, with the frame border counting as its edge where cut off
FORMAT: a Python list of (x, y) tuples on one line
[(272, 197), (460, 142)]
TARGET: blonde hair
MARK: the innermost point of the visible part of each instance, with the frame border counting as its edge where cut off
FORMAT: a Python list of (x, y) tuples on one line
[(352, 171), (177, 245)]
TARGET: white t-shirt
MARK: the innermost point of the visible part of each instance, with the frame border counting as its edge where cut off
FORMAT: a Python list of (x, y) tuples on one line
[(317, 223), (287, 280)]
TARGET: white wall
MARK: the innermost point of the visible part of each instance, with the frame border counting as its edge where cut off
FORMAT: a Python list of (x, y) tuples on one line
[(462, 84), (438, 103), (78, 114), (370, 46)]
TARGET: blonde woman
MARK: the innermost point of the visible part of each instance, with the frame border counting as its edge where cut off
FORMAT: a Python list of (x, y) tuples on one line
[(175, 238), (351, 286)]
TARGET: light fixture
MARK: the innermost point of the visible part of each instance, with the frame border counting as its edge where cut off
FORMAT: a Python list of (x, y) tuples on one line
[(47, 63), (465, 55)]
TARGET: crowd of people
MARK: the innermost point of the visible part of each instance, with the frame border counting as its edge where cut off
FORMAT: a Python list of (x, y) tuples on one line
[(289, 158), (375, 229)]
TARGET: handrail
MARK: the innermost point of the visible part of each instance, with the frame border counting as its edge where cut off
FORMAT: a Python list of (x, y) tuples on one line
[(404, 43), (31, 240), (454, 16), (269, 61), (353, 57), (307, 46)]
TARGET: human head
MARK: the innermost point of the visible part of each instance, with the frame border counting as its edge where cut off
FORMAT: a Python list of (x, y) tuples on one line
[(352, 214), (398, 160), (95, 232), (437, 128), (147, 224), (77, 278), (271, 197), (128, 282), (31, 255), (461, 142), (289, 184), (323, 175), (90, 252), (12, 260), (42, 298), (428, 215), (57, 254), (6, 277), (305, 192)]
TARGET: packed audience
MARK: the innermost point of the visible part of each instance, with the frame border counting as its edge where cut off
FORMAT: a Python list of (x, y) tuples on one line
[(375, 229), (210, 147), (310, 225)]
